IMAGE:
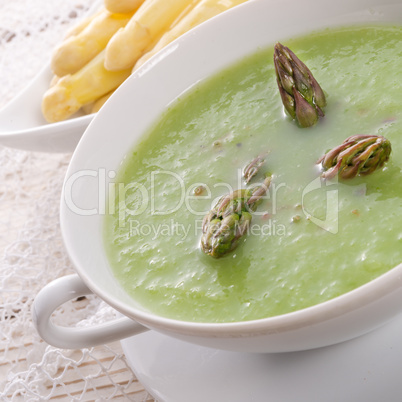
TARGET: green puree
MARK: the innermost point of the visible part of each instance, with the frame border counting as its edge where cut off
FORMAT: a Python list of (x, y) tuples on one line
[(302, 250)]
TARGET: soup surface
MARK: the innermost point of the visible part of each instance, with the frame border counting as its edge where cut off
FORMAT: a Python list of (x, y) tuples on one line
[(309, 240)]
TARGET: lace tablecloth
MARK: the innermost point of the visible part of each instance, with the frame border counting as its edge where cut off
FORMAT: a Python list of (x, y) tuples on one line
[(32, 253)]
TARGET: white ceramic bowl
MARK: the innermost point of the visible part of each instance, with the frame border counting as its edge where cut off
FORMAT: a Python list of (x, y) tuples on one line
[(130, 111)]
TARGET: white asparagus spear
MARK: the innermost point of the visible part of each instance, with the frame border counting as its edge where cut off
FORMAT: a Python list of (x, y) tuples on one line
[(76, 29), (122, 6), (203, 11), (73, 91), (95, 106), (152, 19), (77, 50)]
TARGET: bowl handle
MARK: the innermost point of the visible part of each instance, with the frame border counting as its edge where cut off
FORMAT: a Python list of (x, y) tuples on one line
[(62, 290)]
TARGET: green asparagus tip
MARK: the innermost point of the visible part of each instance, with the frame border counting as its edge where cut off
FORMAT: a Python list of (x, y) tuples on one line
[(229, 220), (300, 92), (357, 155)]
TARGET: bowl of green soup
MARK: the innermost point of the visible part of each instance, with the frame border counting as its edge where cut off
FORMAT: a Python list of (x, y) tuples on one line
[(307, 247)]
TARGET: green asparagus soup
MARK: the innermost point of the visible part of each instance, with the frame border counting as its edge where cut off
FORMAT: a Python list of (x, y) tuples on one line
[(309, 240)]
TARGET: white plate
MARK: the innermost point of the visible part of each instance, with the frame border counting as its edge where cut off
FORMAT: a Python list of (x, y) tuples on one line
[(23, 126), (364, 369)]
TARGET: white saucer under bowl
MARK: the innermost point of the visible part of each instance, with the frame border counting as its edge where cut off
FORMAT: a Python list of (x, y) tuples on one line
[(367, 369)]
